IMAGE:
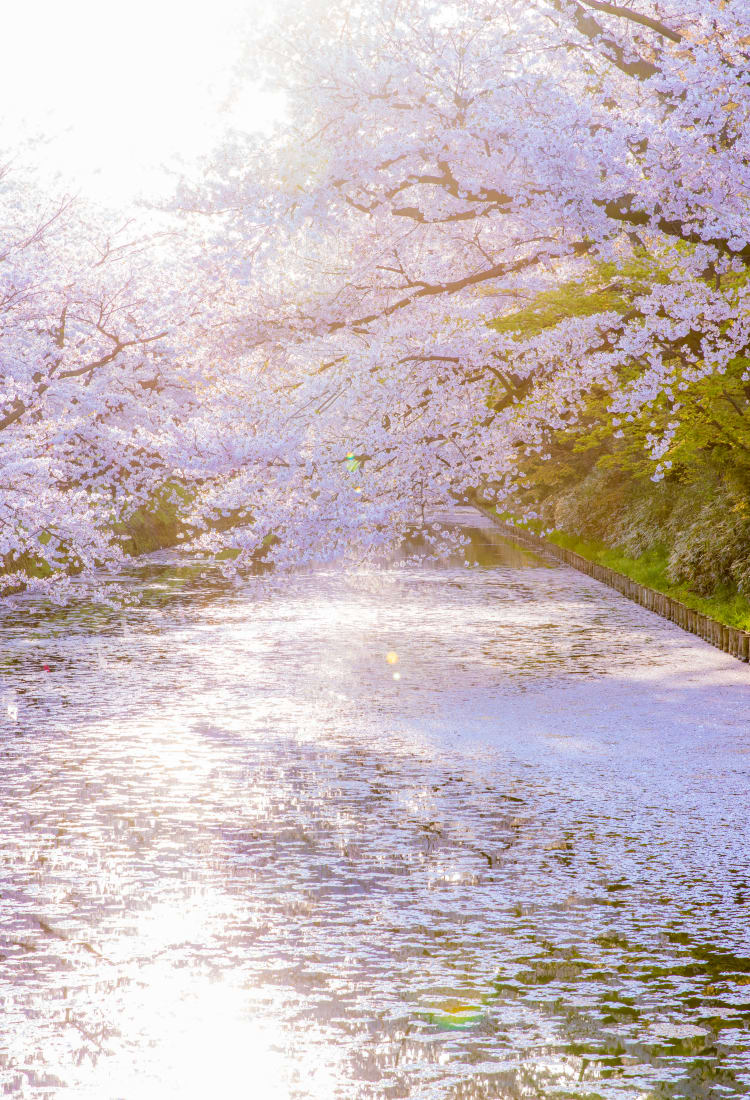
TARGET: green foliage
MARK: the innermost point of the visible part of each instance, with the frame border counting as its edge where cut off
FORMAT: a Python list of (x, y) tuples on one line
[(156, 525), (711, 550), (687, 535), (654, 570), (608, 288)]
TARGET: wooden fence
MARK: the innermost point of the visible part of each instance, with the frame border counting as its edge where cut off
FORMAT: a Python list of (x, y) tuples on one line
[(729, 638)]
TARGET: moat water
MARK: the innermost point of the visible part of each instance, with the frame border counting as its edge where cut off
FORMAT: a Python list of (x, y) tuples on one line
[(432, 832)]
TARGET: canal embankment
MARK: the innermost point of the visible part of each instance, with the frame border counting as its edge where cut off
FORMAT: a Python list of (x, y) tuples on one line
[(729, 639)]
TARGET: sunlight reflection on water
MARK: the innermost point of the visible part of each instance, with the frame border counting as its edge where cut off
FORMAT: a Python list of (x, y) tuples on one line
[(240, 859)]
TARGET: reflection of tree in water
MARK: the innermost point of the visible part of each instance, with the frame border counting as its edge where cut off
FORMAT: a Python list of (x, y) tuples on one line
[(485, 548), (618, 1017)]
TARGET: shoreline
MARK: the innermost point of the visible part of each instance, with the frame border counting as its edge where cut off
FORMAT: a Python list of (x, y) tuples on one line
[(729, 639)]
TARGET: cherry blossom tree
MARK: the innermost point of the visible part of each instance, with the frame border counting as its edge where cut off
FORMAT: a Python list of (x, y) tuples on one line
[(443, 164), (96, 379), (316, 346)]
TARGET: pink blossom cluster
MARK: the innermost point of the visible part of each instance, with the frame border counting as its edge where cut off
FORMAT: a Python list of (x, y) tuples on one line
[(310, 349)]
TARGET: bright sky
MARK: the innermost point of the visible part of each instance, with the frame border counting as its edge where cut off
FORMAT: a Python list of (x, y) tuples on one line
[(123, 85)]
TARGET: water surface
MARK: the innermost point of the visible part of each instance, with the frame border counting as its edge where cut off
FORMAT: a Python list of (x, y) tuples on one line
[(434, 833)]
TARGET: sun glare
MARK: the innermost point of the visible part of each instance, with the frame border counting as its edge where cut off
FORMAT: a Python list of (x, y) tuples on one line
[(117, 90)]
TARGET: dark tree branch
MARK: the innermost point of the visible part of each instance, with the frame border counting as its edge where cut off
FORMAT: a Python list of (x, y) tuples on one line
[(431, 290), (591, 28), (623, 209), (634, 17)]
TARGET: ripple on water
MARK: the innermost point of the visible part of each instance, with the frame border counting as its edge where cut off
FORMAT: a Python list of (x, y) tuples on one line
[(240, 858)]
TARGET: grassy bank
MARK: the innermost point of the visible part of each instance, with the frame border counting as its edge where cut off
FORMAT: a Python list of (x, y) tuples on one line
[(652, 569)]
